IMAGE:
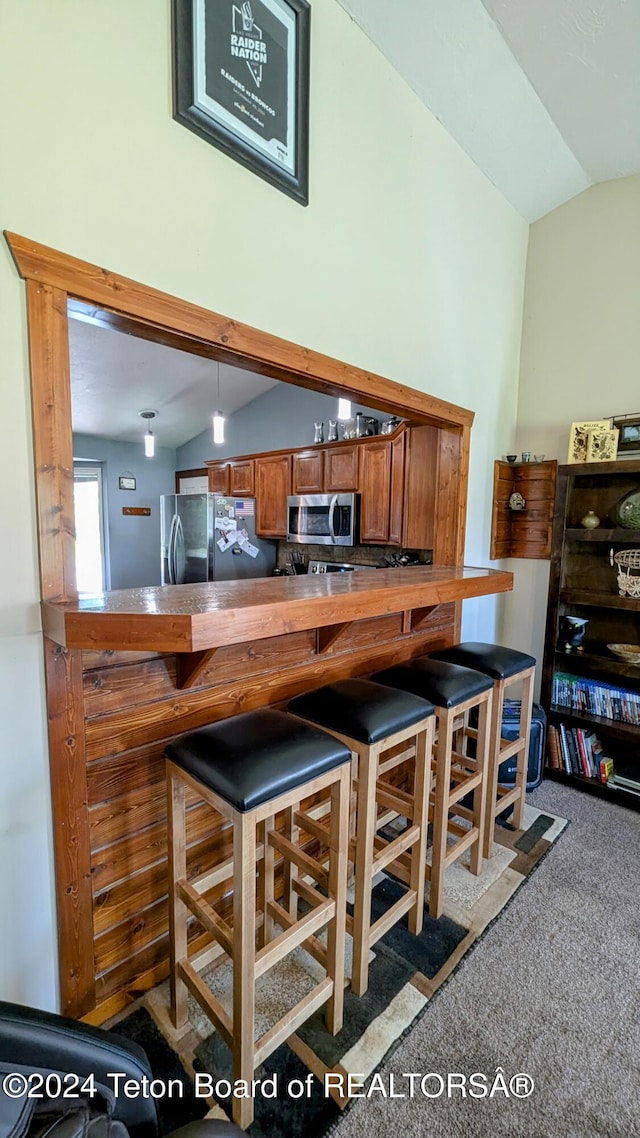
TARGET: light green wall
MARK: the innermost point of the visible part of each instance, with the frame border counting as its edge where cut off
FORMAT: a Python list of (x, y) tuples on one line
[(407, 261), (580, 346)]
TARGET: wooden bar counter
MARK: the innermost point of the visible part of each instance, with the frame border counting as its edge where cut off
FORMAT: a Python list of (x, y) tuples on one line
[(152, 663), (193, 618)]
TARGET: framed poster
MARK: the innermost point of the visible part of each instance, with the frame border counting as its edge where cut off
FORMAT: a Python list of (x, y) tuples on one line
[(241, 81)]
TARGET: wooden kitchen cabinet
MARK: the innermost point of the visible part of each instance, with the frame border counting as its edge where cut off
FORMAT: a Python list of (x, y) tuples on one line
[(341, 468), (306, 472), (421, 487), (218, 477), (273, 486), (396, 503), (242, 478), (375, 489)]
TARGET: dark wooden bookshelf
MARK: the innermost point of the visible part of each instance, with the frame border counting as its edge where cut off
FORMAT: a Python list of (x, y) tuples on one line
[(583, 583)]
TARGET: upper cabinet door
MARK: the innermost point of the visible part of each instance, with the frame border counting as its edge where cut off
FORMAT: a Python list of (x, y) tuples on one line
[(341, 468), (375, 484), (242, 478), (306, 475), (273, 486), (218, 477), (396, 506)]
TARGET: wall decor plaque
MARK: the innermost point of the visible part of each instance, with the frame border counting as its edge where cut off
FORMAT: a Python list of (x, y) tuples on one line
[(241, 81)]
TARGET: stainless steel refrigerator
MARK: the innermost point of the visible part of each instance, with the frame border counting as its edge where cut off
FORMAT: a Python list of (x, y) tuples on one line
[(206, 537)]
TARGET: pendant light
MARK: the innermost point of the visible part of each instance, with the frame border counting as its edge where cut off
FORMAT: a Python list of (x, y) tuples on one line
[(218, 419), (149, 438), (344, 409)]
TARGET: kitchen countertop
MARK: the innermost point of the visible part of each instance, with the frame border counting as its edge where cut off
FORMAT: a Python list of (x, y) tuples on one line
[(197, 618)]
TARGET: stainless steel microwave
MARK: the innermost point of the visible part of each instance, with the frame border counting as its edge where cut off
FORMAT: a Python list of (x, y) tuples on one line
[(322, 519)]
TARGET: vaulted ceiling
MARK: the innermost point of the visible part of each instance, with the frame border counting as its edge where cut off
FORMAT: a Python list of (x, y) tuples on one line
[(543, 95)]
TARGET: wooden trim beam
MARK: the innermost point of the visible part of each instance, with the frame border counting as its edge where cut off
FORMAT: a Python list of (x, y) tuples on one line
[(232, 341)]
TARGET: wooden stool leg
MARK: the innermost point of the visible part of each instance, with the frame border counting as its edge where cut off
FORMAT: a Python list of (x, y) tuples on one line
[(267, 883), (339, 839), (290, 897), (441, 813), (483, 763), (524, 730), (177, 909), (493, 765), (366, 826), (420, 817), (244, 946)]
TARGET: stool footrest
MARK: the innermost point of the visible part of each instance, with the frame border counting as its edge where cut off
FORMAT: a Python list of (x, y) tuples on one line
[(392, 915), (512, 747), (464, 785), (207, 916), (454, 851), (395, 799), (312, 945), (506, 795), (298, 857), (210, 1006), (286, 1026), (394, 848), (312, 826), (292, 937)]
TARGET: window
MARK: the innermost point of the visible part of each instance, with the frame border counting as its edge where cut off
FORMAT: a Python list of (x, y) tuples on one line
[(91, 570)]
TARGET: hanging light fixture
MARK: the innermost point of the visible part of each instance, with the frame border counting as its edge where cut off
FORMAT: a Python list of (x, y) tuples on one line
[(149, 438), (218, 419), (344, 409)]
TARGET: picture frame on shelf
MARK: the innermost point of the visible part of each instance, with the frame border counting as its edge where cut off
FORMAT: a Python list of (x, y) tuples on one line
[(628, 427), (579, 438), (602, 445), (241, 82)]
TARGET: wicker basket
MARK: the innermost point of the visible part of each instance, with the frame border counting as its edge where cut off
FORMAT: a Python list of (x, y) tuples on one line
[(627, 562)]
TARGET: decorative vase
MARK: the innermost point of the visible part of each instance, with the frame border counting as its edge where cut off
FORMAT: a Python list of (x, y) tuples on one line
[(590, 520), (319, 433), (332, 436), (626, 513)]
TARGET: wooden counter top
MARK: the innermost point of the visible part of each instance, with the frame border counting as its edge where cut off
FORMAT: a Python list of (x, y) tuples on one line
[(197, 618)]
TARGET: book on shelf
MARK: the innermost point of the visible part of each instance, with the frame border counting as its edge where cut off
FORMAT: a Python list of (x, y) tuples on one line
[(578, 752), (594, 697)]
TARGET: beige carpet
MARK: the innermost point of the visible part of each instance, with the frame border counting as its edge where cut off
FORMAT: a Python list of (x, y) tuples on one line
[(553, 990)]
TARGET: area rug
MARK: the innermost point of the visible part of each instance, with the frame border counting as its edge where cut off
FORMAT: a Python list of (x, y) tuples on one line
[(305, 1084)]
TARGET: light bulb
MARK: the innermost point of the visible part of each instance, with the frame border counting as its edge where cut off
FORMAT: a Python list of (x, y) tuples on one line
[(218, 428), (149, 444), (344, 408)]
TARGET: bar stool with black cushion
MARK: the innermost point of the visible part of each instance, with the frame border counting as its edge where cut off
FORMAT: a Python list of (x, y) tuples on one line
[(506, 667), (374, 722), (454, 691), (250, 768)]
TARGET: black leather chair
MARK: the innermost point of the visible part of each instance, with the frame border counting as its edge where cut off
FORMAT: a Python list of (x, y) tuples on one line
[(38, 1041)]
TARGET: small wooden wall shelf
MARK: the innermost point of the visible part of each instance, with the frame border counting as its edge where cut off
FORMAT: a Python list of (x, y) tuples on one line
[(527, 532)]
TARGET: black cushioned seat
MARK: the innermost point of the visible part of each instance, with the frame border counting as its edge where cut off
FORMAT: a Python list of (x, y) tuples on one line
[(446, 685), (360, 709), (253, 758), (492, 659)]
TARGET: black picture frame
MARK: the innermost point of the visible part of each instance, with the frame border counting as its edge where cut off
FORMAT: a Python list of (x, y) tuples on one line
[(126, 482), (629, 435), (243, 62)]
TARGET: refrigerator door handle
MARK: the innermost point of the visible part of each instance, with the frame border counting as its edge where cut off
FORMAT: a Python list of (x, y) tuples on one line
[(332, 514), (171, 550), (179, 549)]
